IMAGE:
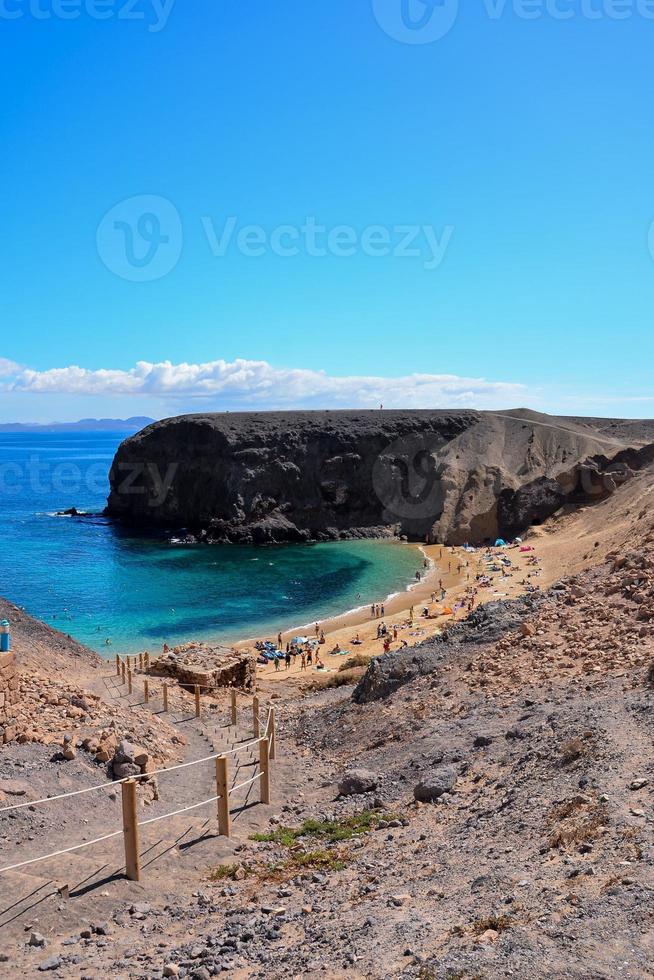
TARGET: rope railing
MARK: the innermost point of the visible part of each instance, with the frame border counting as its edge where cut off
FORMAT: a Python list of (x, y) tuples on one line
[(125, 672), (64, 850), (128, 784)]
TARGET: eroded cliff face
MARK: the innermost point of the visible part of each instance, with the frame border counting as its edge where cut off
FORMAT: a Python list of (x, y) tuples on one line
[(297, 476)]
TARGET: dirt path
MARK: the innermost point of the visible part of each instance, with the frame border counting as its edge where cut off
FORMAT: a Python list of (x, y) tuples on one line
[(175, 852)]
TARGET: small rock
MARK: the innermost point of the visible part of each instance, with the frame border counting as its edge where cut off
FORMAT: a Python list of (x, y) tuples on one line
[(52, 964), (432, 786), (356, 781)]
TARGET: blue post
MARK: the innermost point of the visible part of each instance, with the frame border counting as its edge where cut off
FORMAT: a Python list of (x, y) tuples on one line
[(5, 638)]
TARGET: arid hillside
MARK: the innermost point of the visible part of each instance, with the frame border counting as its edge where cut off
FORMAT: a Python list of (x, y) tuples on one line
[(476, 806)]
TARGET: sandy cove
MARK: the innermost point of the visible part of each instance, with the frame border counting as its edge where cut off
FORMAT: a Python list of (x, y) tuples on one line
[(455, 567)]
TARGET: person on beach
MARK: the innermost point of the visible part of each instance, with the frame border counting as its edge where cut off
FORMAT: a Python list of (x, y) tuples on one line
[(279, 641), (277, 659), (387, 644), (303, 661), (381, 608), (322, 636), (309, 656), (395, 632), (317, 629), (372, 611)]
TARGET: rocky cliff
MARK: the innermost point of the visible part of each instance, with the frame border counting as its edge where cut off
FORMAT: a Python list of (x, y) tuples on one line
[(454, 476)]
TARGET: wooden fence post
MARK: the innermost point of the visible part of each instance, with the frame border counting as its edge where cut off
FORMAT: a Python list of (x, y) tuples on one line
[(124, 671), (140, 661), (264, 767), (129, 681), (222, 792), (165, 697), (271, 734), (131, 831), (234, 714), (146, 691), (147, 661), (197, 700), (117, 665), (255, 716)]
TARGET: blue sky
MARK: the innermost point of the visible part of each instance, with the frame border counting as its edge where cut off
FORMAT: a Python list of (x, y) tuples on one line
[(517, 152)]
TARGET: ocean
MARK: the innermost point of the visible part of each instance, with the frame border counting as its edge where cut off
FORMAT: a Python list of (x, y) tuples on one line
[(99, 582)]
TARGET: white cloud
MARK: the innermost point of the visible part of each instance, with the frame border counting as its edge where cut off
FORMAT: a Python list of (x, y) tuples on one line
[(257, 384), (8, 368)]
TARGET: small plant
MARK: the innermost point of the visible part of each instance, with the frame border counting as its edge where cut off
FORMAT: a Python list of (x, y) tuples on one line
[(500, 923), (319, 860), (227, 872), (356, 660), (572, 750), (341, 678), (332, 831), (583, 829)]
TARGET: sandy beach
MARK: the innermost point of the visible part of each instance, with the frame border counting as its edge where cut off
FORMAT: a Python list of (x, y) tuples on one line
[(455, 568)]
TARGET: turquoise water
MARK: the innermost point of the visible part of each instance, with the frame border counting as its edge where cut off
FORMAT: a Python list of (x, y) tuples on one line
[(97, 581)]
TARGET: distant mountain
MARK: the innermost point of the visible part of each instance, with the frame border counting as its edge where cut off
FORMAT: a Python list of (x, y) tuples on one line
[(133, 424)]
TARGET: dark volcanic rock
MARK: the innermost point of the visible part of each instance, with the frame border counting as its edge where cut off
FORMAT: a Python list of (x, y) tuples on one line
[(298, 476)]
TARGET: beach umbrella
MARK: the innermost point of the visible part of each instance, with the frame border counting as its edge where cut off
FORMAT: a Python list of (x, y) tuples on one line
[(299, 639)]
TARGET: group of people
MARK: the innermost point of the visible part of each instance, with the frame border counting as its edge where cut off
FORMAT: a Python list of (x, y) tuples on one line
[(308, 655), (307, 651)]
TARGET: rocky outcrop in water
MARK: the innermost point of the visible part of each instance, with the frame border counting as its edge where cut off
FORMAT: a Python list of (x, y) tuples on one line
[(452, 476)]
